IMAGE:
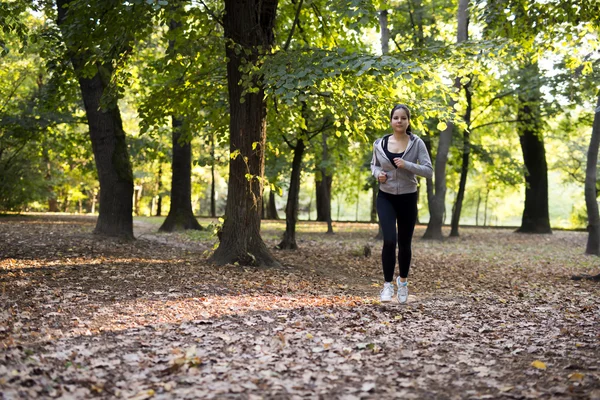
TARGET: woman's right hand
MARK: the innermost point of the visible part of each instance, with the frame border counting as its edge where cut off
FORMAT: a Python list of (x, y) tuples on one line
[(382, 177)]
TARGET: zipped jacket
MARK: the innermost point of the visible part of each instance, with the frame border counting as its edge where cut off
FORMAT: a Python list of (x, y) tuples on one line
[(402, 180)]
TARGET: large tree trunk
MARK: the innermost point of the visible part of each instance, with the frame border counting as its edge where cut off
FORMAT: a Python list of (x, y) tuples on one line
[(536, 217), (181, 216), (464, 172), (438, 200), (108, 144), (249, 26), (591, 202), (291, 208)]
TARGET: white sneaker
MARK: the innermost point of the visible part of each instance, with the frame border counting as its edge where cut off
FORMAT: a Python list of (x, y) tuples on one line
[(402, 291), (387, 292)]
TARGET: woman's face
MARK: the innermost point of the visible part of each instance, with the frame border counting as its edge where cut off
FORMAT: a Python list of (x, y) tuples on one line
[(400, 120)]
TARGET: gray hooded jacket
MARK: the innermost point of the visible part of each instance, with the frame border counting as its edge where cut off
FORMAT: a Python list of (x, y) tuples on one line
[(402, 180)]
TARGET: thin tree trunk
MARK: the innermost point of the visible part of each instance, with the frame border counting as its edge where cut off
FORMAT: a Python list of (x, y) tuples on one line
[(137, 195), (324, 179), (159, 191), (272, 207), (591, 199), (385, 32), (108, 144), (485, 207), (213, 200), (94, 197), (291, 208), (464, 172), (477, 210), (249, 26), (52, 200), (374, 188), (437, 204), (181, 216), (536, 218), (357, 199)]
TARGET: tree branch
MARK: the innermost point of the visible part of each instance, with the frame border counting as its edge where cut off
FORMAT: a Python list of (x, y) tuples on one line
[(288, 142), (211, 13), (494, 123), (496, 97), (14, 90), (296, 19)]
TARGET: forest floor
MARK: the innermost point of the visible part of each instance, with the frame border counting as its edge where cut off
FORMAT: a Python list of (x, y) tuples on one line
[(492, 314)]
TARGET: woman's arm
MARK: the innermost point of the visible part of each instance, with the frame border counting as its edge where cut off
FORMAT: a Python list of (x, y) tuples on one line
[(423, 167)]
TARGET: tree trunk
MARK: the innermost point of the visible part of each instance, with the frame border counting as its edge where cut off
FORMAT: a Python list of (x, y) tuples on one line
[(464, 168), (323, 197), (437, 204), (291, 208), (536, 217), (477, 211), (324, 178), (385, 32), (159, 191), (485, 207), (213, 200), (108, 144), (94, 197), (272, 207), (181, 216), (591, 202), (137, 195), (52, 200), (249, 27), (374, 188)]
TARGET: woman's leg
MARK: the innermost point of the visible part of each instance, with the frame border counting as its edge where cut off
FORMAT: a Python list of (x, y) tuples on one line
[(387, 219), (406, 209)]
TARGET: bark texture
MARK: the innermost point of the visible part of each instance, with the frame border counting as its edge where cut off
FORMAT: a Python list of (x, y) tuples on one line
[(536, 218), (272, 207), (464, 171), (591, 202), (323, 180), (291, 208), (108, 144), (181, 216), (438, 199), (248, 26)]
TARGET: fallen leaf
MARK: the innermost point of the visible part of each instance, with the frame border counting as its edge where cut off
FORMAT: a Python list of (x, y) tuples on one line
[(538, 364), (576, 376)]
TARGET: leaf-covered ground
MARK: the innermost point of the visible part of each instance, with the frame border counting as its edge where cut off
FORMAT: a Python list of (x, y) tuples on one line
[(492, 314)]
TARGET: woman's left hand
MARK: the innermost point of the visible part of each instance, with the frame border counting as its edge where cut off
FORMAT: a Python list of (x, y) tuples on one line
[(399, 162)]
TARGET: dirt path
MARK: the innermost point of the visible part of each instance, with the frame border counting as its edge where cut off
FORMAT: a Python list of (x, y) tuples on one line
[(495, 315)]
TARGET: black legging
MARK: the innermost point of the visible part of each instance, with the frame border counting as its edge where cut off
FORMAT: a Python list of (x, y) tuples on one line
[(400, 209)]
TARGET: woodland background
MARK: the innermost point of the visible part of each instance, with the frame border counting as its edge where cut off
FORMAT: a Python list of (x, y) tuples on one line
[(181, 97)]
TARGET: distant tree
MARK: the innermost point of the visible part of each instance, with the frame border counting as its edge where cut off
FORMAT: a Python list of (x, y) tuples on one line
[(180, 214), (97, 36)]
